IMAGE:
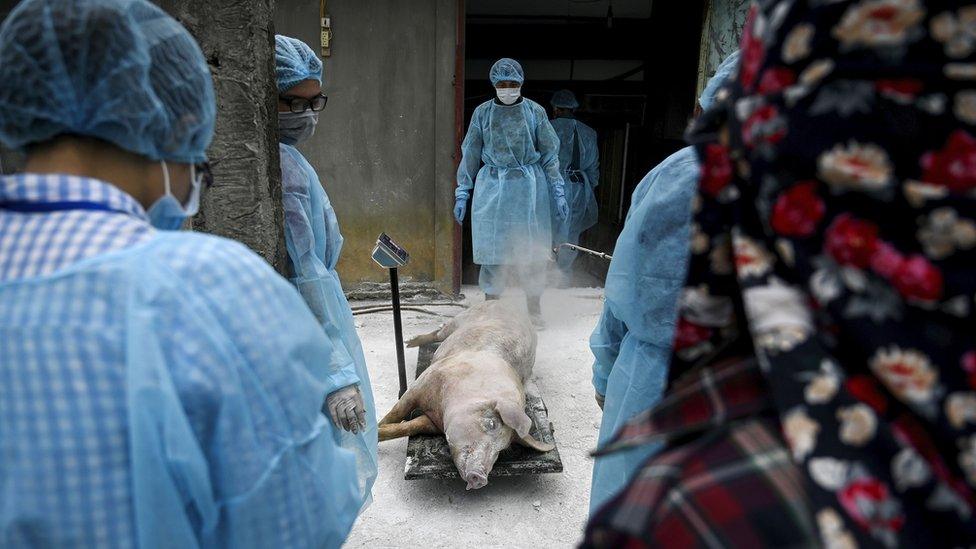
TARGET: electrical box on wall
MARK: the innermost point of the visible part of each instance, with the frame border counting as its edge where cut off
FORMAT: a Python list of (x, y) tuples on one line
[(326, 35)]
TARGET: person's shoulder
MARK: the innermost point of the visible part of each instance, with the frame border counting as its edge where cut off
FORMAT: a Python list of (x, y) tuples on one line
[(484, 106), (204, 260), (290, 157), (287, 151), (586, 130), (681, 169), (296, 172), (680, 159), (540, 117), (670, 179), (683, 162), (684, 157), (536, 107)]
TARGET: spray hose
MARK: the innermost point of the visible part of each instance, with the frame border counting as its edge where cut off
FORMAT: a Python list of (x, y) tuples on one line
[(601, 255), (370, 309)]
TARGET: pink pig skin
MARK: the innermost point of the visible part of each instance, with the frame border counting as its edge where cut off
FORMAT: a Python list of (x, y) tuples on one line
[(473, 391)]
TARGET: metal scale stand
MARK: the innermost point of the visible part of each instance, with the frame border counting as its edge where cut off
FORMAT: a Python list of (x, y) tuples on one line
[(389, 255)]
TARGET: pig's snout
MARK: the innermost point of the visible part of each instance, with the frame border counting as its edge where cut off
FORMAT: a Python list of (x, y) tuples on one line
[(476, 480), (475, 439)]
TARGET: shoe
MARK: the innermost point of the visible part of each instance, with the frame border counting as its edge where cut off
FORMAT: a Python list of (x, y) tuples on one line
[(492, 297)]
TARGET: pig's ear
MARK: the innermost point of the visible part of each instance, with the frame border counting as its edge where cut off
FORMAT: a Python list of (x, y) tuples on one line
[(537, 445), (514, 417)]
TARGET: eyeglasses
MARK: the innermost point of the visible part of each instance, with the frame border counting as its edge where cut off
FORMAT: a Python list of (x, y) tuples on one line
[(301, 104), (202, 174)]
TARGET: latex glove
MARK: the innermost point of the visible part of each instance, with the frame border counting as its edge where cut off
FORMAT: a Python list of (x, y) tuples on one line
[(600, 400), (347, 409), (562, 208), (460, 208)]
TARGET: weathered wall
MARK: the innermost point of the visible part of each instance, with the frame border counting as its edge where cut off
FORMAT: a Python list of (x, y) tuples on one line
[(244, 203), (384, 145), (724, 20)]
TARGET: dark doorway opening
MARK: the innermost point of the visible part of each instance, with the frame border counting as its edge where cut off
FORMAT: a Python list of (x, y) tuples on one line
[(633, 65)]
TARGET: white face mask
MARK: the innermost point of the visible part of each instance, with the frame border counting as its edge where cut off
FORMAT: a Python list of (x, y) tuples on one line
[(508, 95)]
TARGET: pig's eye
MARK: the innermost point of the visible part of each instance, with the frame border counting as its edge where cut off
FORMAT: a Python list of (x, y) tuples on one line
[(490, 424)]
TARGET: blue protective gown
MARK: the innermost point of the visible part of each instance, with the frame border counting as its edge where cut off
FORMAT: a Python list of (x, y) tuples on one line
[(632, 341), (314, 244), (184, 374), (579, 159), (511, 160)]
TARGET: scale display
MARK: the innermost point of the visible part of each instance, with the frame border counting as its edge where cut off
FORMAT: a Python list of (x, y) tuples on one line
[(388, 254)]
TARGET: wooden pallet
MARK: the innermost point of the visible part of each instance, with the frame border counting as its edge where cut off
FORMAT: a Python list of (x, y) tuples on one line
[(428, 456)]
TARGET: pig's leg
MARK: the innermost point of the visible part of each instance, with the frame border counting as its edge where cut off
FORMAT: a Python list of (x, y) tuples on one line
[(436, 336), (400, 410), (424, 339), (421, 425), (410, 400)]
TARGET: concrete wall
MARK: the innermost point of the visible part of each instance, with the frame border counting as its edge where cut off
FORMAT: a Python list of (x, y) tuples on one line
[(722, 32), (384, 146), (244, 202)]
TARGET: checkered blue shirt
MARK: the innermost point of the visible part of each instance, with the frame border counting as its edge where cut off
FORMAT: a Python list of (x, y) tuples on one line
[(225, 446), (35, 244)]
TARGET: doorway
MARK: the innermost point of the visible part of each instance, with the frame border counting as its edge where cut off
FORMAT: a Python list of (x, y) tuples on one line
[(633, 66)]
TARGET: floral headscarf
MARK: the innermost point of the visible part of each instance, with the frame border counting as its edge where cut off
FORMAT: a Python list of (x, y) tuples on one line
[(836, 224)]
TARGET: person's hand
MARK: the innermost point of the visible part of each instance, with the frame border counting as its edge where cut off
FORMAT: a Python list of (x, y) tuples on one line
[(460, 208), (347, 409), (562, 208), (600, 400)]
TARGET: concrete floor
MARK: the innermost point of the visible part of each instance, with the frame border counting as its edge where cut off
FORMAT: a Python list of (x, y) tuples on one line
[(538, 512)]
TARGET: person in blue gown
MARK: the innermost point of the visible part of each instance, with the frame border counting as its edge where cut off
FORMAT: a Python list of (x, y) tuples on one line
[(158, 388), (579, 159), (510, 159), (632, 340), (314, 243)]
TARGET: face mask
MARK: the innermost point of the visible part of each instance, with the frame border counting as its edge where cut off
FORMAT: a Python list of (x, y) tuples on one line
[(167, 214), (295, 127), (508, 95)]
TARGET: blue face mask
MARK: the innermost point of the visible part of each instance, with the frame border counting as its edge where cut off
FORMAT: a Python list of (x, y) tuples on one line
[(167, 214), (293, 128)]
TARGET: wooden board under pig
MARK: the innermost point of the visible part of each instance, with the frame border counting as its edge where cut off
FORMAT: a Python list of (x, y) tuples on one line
[(429, 457)]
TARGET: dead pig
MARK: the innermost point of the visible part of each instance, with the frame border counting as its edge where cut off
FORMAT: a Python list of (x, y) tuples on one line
[(473, 391)]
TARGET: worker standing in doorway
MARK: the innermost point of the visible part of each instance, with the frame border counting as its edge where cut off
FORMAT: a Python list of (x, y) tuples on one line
[(512, 153), (314, 242), (579, 159)]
